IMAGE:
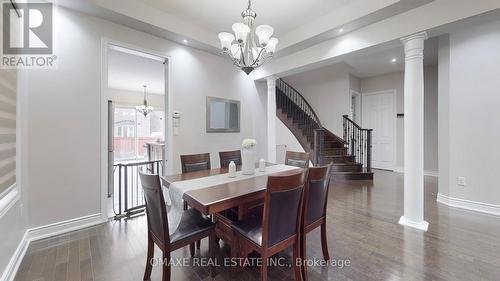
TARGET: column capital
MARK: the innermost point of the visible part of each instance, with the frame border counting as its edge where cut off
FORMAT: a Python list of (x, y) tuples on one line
[(414, 45), (272, 78), (417, 36)]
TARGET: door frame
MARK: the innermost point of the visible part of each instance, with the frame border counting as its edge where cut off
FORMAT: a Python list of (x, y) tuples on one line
[(359, 105), (393, 92), (104, 97)]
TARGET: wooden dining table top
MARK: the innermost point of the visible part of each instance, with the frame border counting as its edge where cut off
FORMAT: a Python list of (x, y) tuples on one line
[(217, 198)]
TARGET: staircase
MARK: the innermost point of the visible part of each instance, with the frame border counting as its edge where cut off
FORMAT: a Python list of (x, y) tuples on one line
[(351, 154)]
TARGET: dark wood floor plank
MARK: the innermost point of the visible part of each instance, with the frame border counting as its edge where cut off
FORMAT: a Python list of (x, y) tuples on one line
[(362, 226)]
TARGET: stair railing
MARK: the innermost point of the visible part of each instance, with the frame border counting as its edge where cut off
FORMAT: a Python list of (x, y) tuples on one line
[(301, 111), (358, 142)]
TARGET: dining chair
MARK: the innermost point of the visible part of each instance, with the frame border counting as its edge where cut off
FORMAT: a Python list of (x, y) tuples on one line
[(297, 159), (227, 156), (195, 162), (314, 209), (279, 227), (193, 227)]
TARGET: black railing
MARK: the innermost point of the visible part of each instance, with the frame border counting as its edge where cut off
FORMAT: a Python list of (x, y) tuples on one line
[(358, 142), (297, 107), (128, 198)]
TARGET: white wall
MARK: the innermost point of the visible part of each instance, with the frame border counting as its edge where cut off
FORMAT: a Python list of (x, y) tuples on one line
[(285, 137), (395, 81), (64, 113), (327, 91), (474, 101)]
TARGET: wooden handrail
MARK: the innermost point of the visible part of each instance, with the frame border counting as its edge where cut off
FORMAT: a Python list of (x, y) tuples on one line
[(285, 85)]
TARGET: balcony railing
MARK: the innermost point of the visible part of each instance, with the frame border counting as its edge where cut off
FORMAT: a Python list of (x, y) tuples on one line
[(128, 198)]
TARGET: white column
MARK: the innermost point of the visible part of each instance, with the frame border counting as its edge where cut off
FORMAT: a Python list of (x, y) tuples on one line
[(271, 119), (414, 132)]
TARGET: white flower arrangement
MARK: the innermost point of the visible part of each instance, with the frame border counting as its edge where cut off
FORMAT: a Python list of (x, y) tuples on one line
[(249, 143)]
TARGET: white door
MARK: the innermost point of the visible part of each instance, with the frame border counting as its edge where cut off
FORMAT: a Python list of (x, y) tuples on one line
[(379, 115)]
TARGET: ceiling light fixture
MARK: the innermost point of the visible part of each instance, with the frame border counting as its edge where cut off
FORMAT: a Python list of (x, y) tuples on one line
[(341, 30), (241, 46), (144, 108), (185, 41), (394, 60)]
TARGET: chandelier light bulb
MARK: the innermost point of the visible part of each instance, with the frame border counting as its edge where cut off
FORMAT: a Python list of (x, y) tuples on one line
[(226, 39), (271, 45), (264, 32), (241, 31)]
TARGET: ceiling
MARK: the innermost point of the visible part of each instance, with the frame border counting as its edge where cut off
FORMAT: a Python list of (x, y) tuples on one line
[(380, 62), (196, 23), (219, 15), (130, 72)]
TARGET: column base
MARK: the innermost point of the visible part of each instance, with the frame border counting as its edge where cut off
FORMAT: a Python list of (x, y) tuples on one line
[(423, 225)]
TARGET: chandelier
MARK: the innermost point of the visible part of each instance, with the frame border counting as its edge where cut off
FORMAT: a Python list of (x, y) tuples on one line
[(144, 108), (241, 46)]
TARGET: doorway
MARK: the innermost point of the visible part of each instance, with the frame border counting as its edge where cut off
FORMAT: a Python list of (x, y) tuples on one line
[(135, 139), (379, 114), (355, 107)]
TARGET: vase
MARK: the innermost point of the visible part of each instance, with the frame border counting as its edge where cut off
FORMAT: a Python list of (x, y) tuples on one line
[(248, 161)]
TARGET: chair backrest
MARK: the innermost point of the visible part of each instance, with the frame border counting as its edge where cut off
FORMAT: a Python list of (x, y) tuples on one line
[(316, 197), (227, 156), (283, 207), (155, 208), (297, 159), (195, 162)]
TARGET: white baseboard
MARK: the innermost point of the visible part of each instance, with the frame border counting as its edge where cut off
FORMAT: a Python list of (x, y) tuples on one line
[(469, 205), (10, 271), (42, 232), (423, 225), (429, 173), (57, 228)]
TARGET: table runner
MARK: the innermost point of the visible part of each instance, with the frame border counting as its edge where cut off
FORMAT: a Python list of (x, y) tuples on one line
[(177, 189)]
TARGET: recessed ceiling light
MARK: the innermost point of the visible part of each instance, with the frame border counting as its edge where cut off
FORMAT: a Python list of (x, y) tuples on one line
[(185, 41), (341, 30), (394, 60)]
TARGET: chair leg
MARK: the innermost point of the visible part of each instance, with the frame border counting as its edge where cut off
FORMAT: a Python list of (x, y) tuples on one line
[(324, 245), (295, 261), (211, 252), (263, 269), (303, 255), (191, 249), (166, 267), (150, 256)]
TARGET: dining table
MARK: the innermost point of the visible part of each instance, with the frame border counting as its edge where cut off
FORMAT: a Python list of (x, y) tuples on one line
[(214, 193)]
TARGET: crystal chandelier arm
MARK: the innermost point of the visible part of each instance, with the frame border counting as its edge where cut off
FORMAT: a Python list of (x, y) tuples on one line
[(255, 62)]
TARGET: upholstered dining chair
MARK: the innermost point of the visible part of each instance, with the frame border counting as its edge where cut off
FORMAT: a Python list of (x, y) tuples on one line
[(279, 227), (227, 156), (195, 162), (314, 209), (298, 159), (193, 227)]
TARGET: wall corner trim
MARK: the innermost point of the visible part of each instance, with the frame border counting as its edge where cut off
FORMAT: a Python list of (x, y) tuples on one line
[(42, 232), (475, 206)]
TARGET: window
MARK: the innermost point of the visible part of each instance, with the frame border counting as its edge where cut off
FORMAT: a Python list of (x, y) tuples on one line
[(8, 92), (133, 131)]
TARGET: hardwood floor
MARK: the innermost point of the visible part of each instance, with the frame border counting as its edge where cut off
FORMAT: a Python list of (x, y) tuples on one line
[(362, 224)]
